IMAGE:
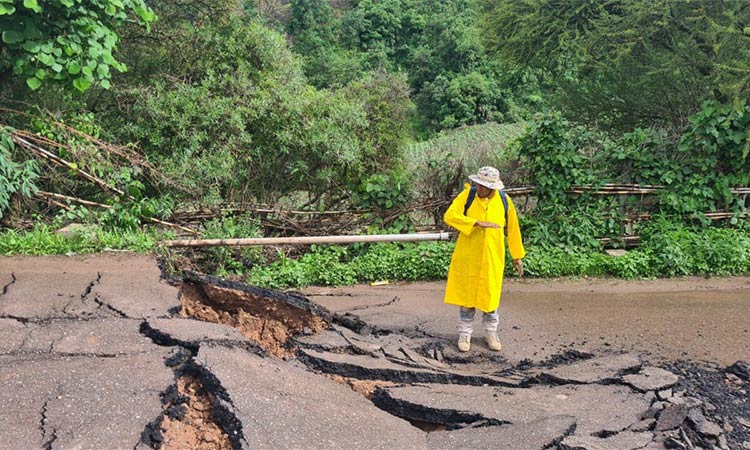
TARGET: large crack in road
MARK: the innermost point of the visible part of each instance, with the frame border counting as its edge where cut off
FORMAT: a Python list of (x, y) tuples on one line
[(269, 369), (574, 393)]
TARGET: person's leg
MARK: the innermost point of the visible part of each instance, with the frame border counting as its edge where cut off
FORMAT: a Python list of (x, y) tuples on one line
[(490, 321), (465, 328)]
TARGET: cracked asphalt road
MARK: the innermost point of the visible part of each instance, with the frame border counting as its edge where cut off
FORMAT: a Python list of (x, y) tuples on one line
[(703, 319), (91, 349)]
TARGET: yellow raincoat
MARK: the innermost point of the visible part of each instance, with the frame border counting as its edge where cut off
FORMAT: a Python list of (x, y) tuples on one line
[(475, 277)]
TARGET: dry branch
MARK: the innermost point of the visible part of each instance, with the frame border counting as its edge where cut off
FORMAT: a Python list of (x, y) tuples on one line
[(61, 162), (51, 197), (133, 157), (80, 201)]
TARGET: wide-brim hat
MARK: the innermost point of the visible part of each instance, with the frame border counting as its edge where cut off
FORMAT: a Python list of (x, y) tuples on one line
[(489, 177)]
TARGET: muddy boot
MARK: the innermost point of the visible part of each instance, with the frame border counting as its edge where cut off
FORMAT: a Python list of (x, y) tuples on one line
[(464, 343), (493, 343)]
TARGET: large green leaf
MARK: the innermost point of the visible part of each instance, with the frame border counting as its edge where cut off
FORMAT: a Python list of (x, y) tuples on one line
[(31, 46), (12, 37), (32, 5), (74, 68), (6, 9), (34, 83), (81, 84), (46, 59)]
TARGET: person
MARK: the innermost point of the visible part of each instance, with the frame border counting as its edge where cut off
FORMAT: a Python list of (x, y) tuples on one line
[(475, 276)]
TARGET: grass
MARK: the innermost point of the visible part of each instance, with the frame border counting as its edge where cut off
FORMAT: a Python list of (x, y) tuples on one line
[(43, 240)]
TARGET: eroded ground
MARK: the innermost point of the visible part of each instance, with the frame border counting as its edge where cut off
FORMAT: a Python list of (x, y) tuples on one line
[(101, 352)]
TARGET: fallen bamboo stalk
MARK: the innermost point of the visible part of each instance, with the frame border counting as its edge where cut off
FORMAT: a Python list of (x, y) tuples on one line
[(80, 201), (303, 240), (50, 196), (62, 162), (173, 225), (59, 205)]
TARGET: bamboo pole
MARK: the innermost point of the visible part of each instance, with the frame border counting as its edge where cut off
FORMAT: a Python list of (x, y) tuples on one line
[(302, 240), (62, 162), (72, 199), (51, 195)]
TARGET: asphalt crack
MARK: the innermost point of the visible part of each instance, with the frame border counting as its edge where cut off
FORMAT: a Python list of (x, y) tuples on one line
[(90, 287), (164, 339), (23, 320), (180, 404), (7, 286), (98, 300), (102, 304), (47, 441), (82, 299), (451, 418), (395, 299), (177, 405)]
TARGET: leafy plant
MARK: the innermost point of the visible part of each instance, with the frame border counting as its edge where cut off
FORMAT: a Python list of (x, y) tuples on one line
[(383, 191), (716, 150), (65, 39), (43, 240), (15, 178), (553, 157)]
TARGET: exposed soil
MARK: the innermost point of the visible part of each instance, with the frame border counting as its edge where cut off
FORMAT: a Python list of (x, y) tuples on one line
[(268, 323), (190, 424), (364, 387)]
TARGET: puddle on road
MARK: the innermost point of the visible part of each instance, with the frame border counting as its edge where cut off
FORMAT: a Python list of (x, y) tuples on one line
[(189, 421)]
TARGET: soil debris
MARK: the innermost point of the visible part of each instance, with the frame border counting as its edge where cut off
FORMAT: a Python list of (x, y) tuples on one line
[(719, 397), (364, 387), (269, 322), (189, 421)]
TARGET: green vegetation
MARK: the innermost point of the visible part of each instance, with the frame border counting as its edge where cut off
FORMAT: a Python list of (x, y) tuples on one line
[(65, 39), (384, 107), (43, 240), (668, 250)]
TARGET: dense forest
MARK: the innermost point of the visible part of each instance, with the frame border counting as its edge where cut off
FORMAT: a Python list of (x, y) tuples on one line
[(141, 120)]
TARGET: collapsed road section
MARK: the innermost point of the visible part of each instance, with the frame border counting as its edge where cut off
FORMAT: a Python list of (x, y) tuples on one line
[(572, 401), (103, 353)]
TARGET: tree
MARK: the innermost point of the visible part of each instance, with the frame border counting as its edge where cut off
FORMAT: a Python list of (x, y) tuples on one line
[(311, 24), (240, 121), (627, 63), (466, 99), (65, 40)]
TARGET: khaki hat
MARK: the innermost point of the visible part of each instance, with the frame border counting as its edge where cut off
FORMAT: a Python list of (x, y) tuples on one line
[(489, 177)]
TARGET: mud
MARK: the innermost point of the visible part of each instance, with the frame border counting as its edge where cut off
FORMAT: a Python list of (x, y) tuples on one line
[(365, 387), (699, 319), (189, 421), (267, 321)]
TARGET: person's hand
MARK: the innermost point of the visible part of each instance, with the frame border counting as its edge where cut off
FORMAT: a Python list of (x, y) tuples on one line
[(518, 264), (481, 224)]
